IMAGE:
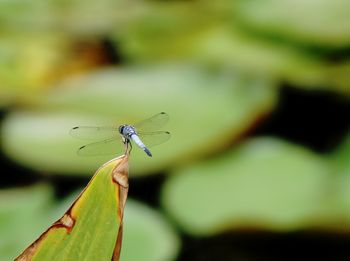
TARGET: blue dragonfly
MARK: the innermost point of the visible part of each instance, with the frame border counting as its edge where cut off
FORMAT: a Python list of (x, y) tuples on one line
[(144, 134)]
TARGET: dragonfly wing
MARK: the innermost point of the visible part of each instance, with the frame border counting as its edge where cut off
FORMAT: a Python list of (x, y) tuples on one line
[(152, 124), (151, 139), (105, 147), (94, 133)]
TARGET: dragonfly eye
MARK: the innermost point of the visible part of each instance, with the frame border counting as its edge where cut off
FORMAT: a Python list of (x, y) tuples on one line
[(121, 129)]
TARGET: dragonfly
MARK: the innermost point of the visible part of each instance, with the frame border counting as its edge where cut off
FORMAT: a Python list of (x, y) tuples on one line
[(111, 139)]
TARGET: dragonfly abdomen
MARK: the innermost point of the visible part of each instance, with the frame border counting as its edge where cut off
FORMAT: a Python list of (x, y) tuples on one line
[(139, 143)]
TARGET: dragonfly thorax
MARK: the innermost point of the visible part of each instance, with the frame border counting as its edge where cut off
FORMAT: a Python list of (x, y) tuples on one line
[(127, 131)]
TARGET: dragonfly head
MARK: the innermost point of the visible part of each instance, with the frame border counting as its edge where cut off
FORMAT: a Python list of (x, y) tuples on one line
[(121, 129)]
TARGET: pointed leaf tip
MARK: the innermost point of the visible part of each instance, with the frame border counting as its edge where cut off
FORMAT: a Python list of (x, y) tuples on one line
[(96, 214)]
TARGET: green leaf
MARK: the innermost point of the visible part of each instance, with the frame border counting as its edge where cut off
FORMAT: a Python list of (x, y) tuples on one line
[(26, 212), (225, 46), (72, 17), (265, 183), (29, 64), (264, 38), (317, 22), (147, 235), (340, 187), (207, 110), (23, 213), (92, 227)]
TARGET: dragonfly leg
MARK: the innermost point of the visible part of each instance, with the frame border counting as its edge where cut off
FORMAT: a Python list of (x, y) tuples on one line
[(128, 147)]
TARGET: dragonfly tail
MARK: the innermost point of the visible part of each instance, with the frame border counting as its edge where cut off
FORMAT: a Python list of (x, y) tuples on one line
[(147, 151)]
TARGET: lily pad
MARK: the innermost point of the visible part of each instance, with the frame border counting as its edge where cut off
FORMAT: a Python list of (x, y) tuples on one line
[(74, 17), (229, 47), (216, 37), (206, 112), (265, 183), (29, 64), (147, 235), (341, 185), (24, 213), (320, 23)]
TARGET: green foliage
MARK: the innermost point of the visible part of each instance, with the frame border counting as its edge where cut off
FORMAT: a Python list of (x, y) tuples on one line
[(108, 96), (320, 23), (93, 223), (215, 67), (264, 183), (147, 235), (26, 213)]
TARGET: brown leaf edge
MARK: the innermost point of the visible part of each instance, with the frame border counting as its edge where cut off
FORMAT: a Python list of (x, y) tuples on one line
[(120, 177)]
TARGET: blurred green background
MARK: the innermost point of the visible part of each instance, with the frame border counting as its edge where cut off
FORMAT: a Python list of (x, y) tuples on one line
[(258, 93)]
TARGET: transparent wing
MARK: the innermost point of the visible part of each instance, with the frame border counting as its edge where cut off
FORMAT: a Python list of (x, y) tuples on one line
[(151, 139), (94, 133), (106, 147), (152, 124)]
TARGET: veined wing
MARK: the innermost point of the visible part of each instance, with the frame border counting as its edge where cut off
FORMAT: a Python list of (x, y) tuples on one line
[(105, 147), (152, 124), (151, 139), (94, 133)]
